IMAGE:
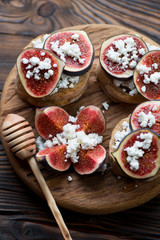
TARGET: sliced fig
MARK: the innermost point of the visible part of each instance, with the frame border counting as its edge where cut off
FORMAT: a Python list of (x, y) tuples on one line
[(147, 75), (138, 154), (146, 115), (120, 54), (39, 71), (91, 120), (90, 160), (50, 121), (74, 48), (55, 157)]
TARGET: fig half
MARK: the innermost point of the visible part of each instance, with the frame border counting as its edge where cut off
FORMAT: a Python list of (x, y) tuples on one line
[(147, 75), (50, 120), (55, 157), (39, 71), (120, 54), (91, 120), (138, 154), (146, 115), (74, 48), (90, 160)]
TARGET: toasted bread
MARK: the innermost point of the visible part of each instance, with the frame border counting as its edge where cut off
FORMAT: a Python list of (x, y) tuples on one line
[(115, 166), (114, 92), (63, 97)]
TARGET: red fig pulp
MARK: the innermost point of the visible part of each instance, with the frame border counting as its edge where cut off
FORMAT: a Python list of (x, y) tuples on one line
[(39, 71), (120, 54), (50, 121), (138, 154), (146, 115), (91, 120), (55, 157), (74, 48), (90, 160), (147, 75)]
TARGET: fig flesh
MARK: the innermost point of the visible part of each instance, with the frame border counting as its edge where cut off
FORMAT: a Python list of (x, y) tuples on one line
[(74, 48), (50, 120), (146, 115), (55, 157), (147, 75), (138, 154), (91, 120), (39, 71), (120, 54), (90, 160)]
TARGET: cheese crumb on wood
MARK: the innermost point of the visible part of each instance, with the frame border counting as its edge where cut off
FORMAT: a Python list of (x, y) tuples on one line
[(105, 105)]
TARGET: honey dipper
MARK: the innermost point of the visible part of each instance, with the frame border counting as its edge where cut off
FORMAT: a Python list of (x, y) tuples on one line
[(20, 138)]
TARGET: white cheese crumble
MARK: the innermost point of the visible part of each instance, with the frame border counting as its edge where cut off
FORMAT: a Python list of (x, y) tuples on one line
[(105, 105), (154, 108), (154, 77), (68, 49), (126, 84), (66, 82), (38, 65), (38, 43), (143, 88), (74, 140), (125, 53), (40, 143), (143, 69), (146, 119), (72, 119), (119, 135), (136, 151), (70, 178), (75, 36)]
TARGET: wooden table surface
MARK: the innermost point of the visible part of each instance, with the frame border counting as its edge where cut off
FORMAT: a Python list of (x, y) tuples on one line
[(23, 215)]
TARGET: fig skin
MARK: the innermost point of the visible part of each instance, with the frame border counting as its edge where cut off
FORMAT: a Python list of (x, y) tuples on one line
[(50, 120), (152, 91), (45, 87), (91, 120), (90, 160), (147, 106), (78, 69), (54, 157), (129, 173), (128, 72)]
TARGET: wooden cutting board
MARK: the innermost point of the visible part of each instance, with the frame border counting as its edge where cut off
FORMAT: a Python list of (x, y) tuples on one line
[(96, 193)]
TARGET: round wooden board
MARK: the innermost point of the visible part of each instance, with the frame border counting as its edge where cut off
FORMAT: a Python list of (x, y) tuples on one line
[(96, 193)]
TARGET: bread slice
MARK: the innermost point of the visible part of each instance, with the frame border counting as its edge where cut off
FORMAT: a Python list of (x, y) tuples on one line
[(63, 97), (114, 92), (115, 166)]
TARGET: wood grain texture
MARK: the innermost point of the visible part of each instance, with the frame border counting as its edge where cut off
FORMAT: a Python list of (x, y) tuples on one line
[(22, 214), (108, 194)]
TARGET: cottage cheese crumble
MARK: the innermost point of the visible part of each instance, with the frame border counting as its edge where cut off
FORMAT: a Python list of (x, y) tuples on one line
[(74, 140), (136, 151)]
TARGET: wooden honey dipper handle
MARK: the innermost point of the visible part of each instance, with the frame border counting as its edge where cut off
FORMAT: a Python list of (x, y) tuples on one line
[(20, 138), (50, 200)]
